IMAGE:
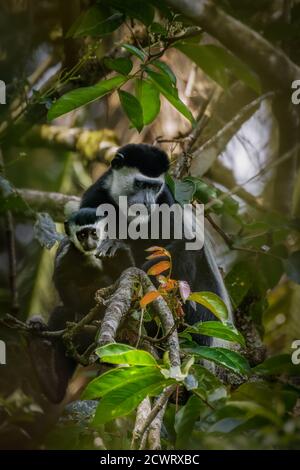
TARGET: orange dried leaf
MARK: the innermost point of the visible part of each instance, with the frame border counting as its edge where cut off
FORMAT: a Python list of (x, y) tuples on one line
[(159, 249), (156, 254), (148, 298), (154, 248), (159, 268)]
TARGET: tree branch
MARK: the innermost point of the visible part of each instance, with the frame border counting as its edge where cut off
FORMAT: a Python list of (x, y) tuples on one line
[(92, 145), (269, 62)]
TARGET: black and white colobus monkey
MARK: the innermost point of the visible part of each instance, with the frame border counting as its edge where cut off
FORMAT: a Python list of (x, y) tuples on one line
[(78, 274), (138, 172)]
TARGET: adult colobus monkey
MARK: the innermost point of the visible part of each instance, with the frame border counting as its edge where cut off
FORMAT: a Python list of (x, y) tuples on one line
[(138, 172)]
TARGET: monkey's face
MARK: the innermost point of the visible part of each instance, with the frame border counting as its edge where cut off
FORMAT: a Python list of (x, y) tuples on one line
[(87, 238), (138, 188)]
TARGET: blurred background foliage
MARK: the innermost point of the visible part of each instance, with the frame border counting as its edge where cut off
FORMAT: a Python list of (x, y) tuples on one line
[(245, 126)]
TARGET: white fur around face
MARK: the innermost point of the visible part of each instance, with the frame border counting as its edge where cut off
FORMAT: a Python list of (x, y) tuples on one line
[(122, 182)]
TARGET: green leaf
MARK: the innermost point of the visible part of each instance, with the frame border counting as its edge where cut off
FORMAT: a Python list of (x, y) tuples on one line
[(122, 400), (121, 65), (83, 96), (222, 356), (96, 22), (216, 62), (212, 302), (206, 193), (183, 191), (158, 28), (163, 67), (185, 419), (170, 92), (45, 231), (132, 108), (139, 9), (238, 282), (281, 364), (117, 353), (148, 97), (292, 266), (217, 330), (135, 51), (209, 388), (115, 378)]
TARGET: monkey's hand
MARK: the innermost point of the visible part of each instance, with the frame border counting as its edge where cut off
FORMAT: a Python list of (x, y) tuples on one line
[(109, 248)]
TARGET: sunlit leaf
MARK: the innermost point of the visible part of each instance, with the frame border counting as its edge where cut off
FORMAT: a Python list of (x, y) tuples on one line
[(148, 97), (217, 330), (222, 356), (83, 96), (122, 400), (116, 353), (212, 302), (115, 378)]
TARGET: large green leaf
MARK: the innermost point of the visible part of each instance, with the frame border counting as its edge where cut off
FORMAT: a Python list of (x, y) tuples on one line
[(82, 96), (148, 97), (132, 108), (212, 302), (117, 353), (96, 22), (121, 65), (217, 330), (122, 400), (115, 378), (139, 9), (222, 356), (216, 62), (170, 92)]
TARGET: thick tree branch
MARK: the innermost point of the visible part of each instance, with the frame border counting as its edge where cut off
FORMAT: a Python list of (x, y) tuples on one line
[(50, 202), (271, 63), (92, 145)]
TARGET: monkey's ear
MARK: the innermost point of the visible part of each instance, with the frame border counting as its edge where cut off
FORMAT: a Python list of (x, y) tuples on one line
[(118, 161), (67, 228)]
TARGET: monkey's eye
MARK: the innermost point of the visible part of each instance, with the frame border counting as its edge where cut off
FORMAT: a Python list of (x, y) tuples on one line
[(94, 233), (81, 235)]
